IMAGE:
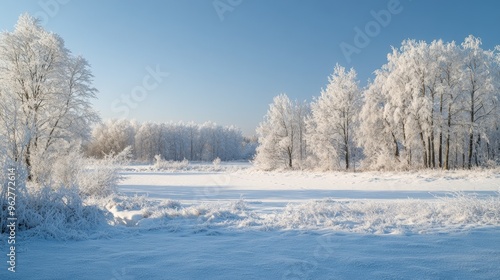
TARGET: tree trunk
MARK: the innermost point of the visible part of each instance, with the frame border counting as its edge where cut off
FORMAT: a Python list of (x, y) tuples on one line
[(447, 158), (463, 160), (476, 154), (471, 148), (488, 151), (346, 157), (440, 150), (432, 153), (471, 131), (289, 157), (447, 155), (346, 143), (27, 160), (424, 148), (396, 150), (191, 148)]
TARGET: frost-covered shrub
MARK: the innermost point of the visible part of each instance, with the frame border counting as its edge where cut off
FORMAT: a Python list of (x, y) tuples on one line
[(63, 201), (161, 164), (99, 180), (57, 213), (92, 177), (50, 211), (384, 162), (216, 162), (101, 176), (57, 169), (127, 203)]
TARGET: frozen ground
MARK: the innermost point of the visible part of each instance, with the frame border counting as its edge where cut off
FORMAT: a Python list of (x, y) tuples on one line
[(235, 223)]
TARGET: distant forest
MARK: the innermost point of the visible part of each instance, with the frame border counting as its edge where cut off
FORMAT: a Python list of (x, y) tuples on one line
[(172, 141)]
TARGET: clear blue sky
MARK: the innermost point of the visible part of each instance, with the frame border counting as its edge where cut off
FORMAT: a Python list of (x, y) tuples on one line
[(228, 68)]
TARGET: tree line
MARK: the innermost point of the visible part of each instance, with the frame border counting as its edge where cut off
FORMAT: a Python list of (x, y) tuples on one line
[(172, 141), (432, 105)]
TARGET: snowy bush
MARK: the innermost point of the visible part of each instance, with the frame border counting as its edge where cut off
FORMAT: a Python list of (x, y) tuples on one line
[(101, 175), (51, 212), (92, 177), (129, 203), (59, 214), (57, 169), (385, 162), (216, 163), (161, 164), (62, 203), (99, 180)]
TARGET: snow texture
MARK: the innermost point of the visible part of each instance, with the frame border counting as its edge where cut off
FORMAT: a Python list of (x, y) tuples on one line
[(246, 224)]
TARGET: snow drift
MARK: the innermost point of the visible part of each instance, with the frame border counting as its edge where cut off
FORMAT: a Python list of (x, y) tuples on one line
[(455, 212)]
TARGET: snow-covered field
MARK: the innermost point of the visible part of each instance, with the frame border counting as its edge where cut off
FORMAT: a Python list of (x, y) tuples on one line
[(231, 222)]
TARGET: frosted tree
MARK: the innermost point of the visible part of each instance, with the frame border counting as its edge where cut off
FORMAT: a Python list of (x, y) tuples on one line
[(408, 94), (302, 111), (279, 134), (45, 92), (330, 128), (437, 102), (233, 141), (213, 141), (376, 132), (193, 135), (148, 141), (481, 87), (450, 98), (112, 136)]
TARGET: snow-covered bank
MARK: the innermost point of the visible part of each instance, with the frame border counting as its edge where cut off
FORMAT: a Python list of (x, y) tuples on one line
[(457, 212), (368, 202), (238, 223)]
